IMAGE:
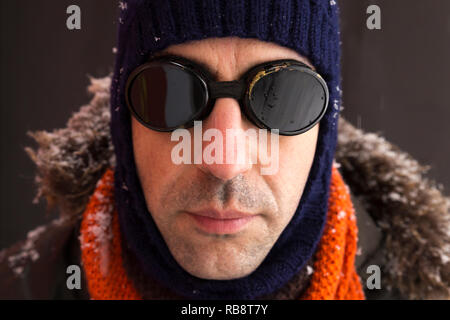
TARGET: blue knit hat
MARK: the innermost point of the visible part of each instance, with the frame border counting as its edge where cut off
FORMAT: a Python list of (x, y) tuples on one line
[(309, 27)]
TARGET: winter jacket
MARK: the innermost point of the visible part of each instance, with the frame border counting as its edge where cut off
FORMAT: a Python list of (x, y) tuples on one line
[(403, 218)]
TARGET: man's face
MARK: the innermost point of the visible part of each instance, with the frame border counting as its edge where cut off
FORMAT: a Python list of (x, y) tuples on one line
[(221, 220)]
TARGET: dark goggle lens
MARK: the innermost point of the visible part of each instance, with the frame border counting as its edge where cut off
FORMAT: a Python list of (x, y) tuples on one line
[(166, 96), (291, 99)]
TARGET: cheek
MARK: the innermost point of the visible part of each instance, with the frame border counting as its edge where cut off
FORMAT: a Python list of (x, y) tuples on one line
[(152, 152), (296, 158)]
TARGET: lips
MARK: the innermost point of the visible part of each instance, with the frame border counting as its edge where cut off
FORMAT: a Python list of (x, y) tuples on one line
[(221, 222)]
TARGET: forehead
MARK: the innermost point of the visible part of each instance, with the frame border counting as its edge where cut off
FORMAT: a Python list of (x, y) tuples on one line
[(231, 57)]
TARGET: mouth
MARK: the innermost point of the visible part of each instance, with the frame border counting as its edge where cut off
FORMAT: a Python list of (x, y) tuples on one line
[(221, 222)]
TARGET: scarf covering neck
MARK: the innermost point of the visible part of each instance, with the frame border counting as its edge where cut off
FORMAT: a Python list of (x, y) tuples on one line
[(334, 276), (311, 28)]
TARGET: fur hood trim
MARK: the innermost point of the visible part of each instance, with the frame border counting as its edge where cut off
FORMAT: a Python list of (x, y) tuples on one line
[(410, 209), (71, 160)]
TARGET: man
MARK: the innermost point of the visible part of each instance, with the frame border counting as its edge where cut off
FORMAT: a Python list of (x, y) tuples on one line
[(156, 228)]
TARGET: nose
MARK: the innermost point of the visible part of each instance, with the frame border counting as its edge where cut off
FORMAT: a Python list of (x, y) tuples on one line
[(226, 118)]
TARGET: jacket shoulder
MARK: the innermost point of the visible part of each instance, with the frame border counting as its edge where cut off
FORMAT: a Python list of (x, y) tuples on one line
[(409, 210), (36, 267)]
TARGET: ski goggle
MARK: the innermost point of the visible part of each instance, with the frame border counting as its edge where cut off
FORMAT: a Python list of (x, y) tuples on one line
[(171, 92)]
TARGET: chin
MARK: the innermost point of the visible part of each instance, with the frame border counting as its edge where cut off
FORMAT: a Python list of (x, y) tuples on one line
[(220, 275), (218, 257), (218, 265)]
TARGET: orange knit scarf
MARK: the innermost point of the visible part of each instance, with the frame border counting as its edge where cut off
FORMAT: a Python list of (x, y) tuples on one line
[(334, 274)]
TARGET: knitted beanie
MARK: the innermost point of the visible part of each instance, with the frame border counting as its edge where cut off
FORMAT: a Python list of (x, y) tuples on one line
[(309, 27)]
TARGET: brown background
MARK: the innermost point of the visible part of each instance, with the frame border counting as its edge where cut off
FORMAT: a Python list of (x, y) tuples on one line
[(396, 82)]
